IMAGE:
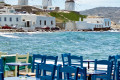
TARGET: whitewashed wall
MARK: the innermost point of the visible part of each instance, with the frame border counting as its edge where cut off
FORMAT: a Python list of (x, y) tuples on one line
[(48, 21), (8, 22), (70, 26), (23, 18), (106, 22), (84, 25)]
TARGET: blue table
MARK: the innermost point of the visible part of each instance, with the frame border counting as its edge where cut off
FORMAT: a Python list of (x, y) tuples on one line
[(18, 64), (94, 72), (17, 78)]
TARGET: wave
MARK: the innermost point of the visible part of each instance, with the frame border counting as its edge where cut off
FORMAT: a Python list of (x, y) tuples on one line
[(8, 35)]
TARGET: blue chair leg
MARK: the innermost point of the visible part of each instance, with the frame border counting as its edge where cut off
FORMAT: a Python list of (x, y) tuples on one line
[(93, 77), (1, 76)]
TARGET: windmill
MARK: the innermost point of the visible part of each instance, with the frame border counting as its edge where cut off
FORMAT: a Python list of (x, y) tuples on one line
[(22, 2), (46, 2), (70, 5)]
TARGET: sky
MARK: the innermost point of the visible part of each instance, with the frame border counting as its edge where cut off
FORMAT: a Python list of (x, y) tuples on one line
[(79, 4)]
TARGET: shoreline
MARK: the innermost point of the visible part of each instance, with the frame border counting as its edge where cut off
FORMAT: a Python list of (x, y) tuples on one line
[(42, 31)]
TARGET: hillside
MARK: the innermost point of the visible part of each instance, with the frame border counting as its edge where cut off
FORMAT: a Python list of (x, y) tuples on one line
[(108, 12), (66, 16)]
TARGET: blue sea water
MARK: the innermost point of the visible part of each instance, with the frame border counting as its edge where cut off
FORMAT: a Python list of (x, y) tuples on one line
[(90, 45)]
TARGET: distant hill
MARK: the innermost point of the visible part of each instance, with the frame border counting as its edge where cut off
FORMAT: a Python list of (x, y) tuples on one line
[(108, 12)]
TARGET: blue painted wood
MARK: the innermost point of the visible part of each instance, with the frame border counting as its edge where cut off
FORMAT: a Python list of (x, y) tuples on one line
[(68, 71), (112, 59), (83, 73), (117, 59), (65, 59), (1, 70), (51, 58), (76, 61), (45, 68), (118, 71), (106, 76), (39, 57)]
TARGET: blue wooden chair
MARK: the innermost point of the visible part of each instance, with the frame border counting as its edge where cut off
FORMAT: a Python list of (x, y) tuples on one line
[(108, 69), (68, 71), (45, 68), (51, 58), (76, 61), (117, 59), (39, 57), (1, 70), (83, 73), (112, 59), (65, 59), (118, 71)]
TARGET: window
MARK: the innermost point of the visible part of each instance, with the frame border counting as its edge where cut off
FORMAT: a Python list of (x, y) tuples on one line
[(0, 18), (40, 22), (98, 22), (51, 22), (5, 19), (99, 26), (23, 19), (95, 26), (105, 24), (10, 19), (102, 26), (17, 19), (33, 23), (44, 22), (108, 23)]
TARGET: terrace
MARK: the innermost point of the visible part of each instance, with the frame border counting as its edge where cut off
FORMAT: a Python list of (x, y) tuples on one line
[(43, 67)]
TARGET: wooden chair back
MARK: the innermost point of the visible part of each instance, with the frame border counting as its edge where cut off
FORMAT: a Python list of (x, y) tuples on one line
[(108, 69), (118, 71), (48, 71), (76, 61), (65, 59), (112, 59), (1, 70), (22, 58), (2, 53), (83, 73), (51, 59), (68, 71), (39, 57)]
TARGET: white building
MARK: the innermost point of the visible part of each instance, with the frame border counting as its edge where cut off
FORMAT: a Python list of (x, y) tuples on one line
[(70, 26), (46, 3), (91, 24), (70, 5), (7, 10), (22, 2), (27, 20), (1, 0)]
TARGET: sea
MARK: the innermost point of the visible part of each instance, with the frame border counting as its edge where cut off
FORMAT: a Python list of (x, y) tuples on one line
[(90, 45)]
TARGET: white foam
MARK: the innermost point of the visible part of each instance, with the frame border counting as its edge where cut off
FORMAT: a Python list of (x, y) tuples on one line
[(9, 35)]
